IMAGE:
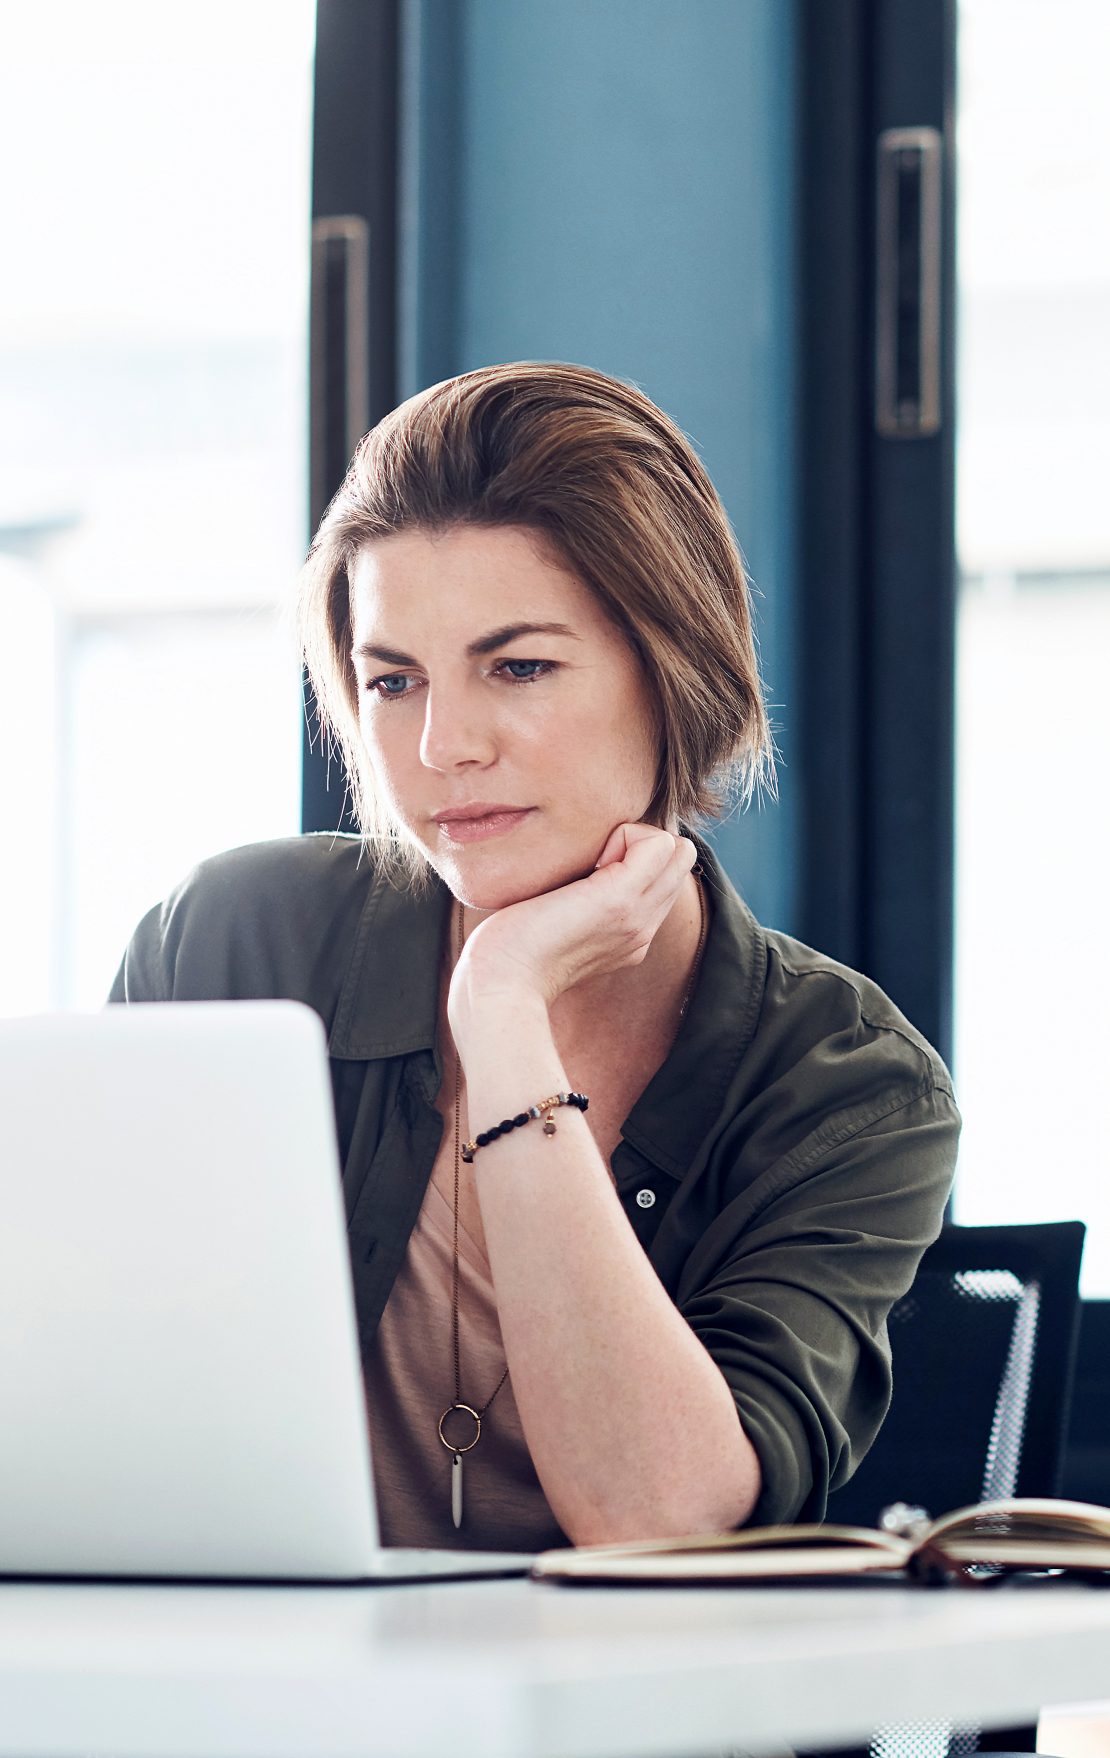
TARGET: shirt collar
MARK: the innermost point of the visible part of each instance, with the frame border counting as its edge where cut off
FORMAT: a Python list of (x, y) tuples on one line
[(680, 1104), (389, 1005), (390, 999)]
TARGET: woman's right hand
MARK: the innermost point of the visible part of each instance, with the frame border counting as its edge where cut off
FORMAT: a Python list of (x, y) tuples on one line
[(543, 946)]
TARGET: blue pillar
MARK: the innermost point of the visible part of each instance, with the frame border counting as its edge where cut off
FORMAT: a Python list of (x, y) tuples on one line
[(612, 182)]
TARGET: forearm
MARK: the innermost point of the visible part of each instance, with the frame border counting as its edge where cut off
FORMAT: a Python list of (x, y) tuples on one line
[(631, 1425)]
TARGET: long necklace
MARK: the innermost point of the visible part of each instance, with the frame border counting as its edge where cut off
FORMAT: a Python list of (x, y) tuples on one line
[(457, 1404)]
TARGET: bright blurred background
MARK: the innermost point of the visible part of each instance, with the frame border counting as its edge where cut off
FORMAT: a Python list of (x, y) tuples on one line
[(1032, 1037), (152, 460)]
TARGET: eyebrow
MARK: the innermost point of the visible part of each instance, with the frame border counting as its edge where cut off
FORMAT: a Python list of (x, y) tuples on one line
[(475, 650)]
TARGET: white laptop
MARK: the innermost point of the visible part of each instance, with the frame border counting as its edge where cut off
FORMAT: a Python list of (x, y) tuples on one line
[(181, 1393)]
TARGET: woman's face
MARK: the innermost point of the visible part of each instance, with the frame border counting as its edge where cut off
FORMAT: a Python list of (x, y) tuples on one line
[(505, 717)]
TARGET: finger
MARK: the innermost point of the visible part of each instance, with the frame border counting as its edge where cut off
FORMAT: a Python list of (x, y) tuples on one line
[(675, 856), (654, 862), (616, 846), (620, 840), (687, 851)]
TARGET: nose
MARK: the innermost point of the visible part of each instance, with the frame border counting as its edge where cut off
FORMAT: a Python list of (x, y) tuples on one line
[(458, 731)]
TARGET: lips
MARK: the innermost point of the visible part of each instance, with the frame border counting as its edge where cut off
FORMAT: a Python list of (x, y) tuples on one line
[(477, 809), (479, 820)]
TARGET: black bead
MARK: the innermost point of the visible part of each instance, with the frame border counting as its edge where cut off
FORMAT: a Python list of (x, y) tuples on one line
[(506, 1124), (520, 1119), (482, 1140)]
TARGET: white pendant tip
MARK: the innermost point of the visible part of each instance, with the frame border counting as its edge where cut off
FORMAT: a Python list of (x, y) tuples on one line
[(456, 1490)]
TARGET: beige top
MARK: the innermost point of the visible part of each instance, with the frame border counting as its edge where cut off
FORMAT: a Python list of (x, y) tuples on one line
[(409, 1372)]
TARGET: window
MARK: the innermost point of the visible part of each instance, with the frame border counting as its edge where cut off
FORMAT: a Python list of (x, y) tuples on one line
[(1033, 708), (153, 459)]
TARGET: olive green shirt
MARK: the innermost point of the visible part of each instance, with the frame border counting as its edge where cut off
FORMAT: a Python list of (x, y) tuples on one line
[(784, 1169)]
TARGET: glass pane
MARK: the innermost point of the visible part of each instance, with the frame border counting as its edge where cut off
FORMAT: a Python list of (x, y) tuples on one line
[(1033, 752), (153, 320)]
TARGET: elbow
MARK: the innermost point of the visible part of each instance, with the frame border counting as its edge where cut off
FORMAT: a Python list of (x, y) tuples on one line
[(711, 1502)]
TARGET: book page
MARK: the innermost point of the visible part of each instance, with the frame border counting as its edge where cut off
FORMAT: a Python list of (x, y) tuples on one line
[(754, 1552), (1031, 1519)]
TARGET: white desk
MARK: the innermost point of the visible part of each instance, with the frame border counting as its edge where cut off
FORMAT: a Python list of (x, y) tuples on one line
[(508, 1669)]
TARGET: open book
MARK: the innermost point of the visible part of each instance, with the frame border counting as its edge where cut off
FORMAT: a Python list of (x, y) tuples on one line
[(1027, 1534)]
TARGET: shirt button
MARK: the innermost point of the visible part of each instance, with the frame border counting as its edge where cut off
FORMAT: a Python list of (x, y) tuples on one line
[(645, 1198)]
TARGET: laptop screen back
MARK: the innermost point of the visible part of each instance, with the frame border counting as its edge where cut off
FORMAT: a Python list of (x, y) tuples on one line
[(179, 1366)]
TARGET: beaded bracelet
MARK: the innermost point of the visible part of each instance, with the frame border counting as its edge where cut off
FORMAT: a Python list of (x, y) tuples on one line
[(548, 1106)]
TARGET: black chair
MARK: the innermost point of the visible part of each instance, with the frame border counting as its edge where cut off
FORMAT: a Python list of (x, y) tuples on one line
[(983, 1349)]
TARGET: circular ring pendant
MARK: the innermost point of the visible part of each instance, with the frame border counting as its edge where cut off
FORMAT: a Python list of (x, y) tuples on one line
[(469, 1411)]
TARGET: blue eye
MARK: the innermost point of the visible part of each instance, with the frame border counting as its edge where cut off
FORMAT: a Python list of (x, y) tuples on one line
[(395, 686), (534, 668), (381, 686)]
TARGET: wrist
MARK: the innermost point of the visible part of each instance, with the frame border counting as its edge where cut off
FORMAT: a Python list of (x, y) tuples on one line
[(542, 1111), (509, 1011)]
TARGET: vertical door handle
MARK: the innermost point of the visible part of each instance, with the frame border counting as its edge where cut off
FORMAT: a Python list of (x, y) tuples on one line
[(339, 390), (908, 289)]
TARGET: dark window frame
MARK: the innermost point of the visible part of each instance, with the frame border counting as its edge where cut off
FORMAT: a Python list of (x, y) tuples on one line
[(877, 525), (354, 176)]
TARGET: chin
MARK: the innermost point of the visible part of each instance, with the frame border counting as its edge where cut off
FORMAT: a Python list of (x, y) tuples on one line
[(490, 884)]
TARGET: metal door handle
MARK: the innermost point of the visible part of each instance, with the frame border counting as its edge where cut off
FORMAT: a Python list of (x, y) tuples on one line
[(339, 391), (908, 290)]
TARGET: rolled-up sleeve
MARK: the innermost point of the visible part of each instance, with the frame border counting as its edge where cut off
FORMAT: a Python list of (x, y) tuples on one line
[(790, 1287)]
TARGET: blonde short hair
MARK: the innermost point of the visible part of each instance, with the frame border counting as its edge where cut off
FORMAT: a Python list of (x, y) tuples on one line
[(619, 497)]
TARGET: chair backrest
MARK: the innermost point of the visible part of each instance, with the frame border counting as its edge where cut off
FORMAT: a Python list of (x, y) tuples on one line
[(983, 1350)]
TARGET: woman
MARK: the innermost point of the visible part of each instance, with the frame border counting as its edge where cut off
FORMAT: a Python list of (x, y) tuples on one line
[(528, 628)]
